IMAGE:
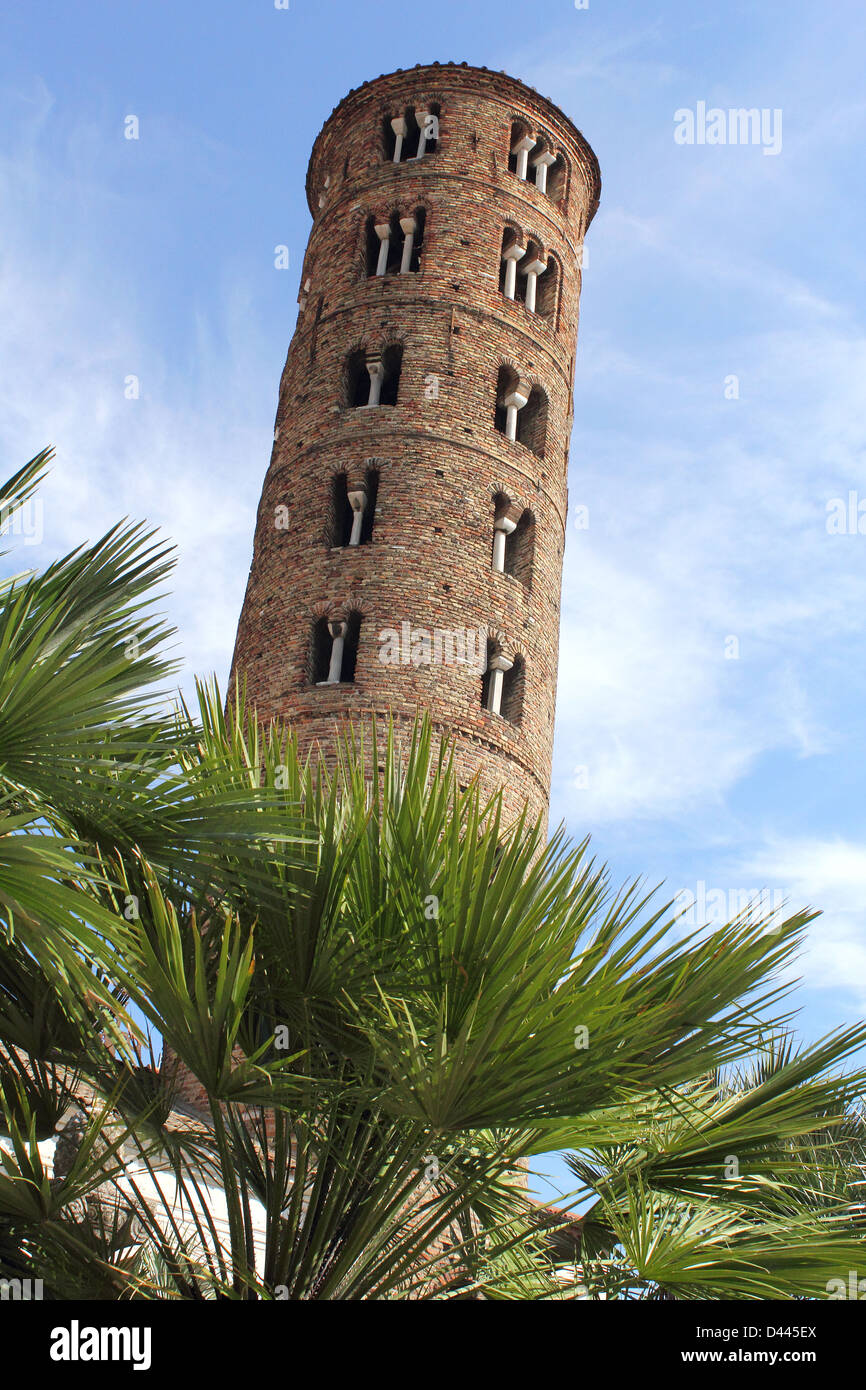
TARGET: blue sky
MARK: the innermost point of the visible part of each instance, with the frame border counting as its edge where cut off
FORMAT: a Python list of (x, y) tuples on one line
[(707, 512)]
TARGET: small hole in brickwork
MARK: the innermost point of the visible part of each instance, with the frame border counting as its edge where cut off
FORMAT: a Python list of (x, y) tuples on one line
[(447, 588), (439, 473), (438, 530)]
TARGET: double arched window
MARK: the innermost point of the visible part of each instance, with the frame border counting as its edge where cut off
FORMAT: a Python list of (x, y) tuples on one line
[(513, 540), (502, 684), (521, 410), (528, 274), (372, 379), (333, 651), (393, 245), (352, 510), (411, 134), (532, 155)]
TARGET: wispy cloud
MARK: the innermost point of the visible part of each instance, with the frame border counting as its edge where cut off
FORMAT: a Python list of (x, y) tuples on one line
[(182, 446), (830, 875), (705, 605)]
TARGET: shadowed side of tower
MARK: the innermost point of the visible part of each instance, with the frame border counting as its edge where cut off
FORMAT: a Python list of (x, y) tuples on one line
[(410, 534)]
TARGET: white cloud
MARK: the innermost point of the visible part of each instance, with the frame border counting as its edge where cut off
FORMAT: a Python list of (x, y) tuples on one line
[(188, 455), (829, 875), (715, 531)]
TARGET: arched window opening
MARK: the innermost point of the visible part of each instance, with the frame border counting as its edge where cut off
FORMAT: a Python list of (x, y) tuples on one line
[(512, 395), (371, 246), (492, 680), (357, 380), (341, 514), (351, 642), (541, 161), (531, 265), (502, 528), (434, 115), (532, 422), (371, 489), (392, 365), (492, 651), (512, 251), (334, 650), (513, 682), (505, 383), (352, 510), (547, 300), (395, 246), (520, 550), (320, 652), (411, 137), (557, 180), (520, 143), (412, 228), (393, 135)]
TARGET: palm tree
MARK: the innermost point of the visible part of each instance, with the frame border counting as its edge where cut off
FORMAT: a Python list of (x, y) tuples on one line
[(391, 1000), (734, 1186)]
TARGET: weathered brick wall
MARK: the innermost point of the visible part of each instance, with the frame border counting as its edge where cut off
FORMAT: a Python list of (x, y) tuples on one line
[(440, 458)]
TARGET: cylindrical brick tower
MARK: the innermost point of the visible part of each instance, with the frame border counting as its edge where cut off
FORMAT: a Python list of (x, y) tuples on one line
[(409, 542)]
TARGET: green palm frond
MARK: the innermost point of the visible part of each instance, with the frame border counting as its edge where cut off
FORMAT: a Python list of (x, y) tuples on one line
[(390, 995)]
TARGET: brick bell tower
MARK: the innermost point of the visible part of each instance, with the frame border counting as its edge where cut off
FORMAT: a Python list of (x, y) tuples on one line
[(409, 542)]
